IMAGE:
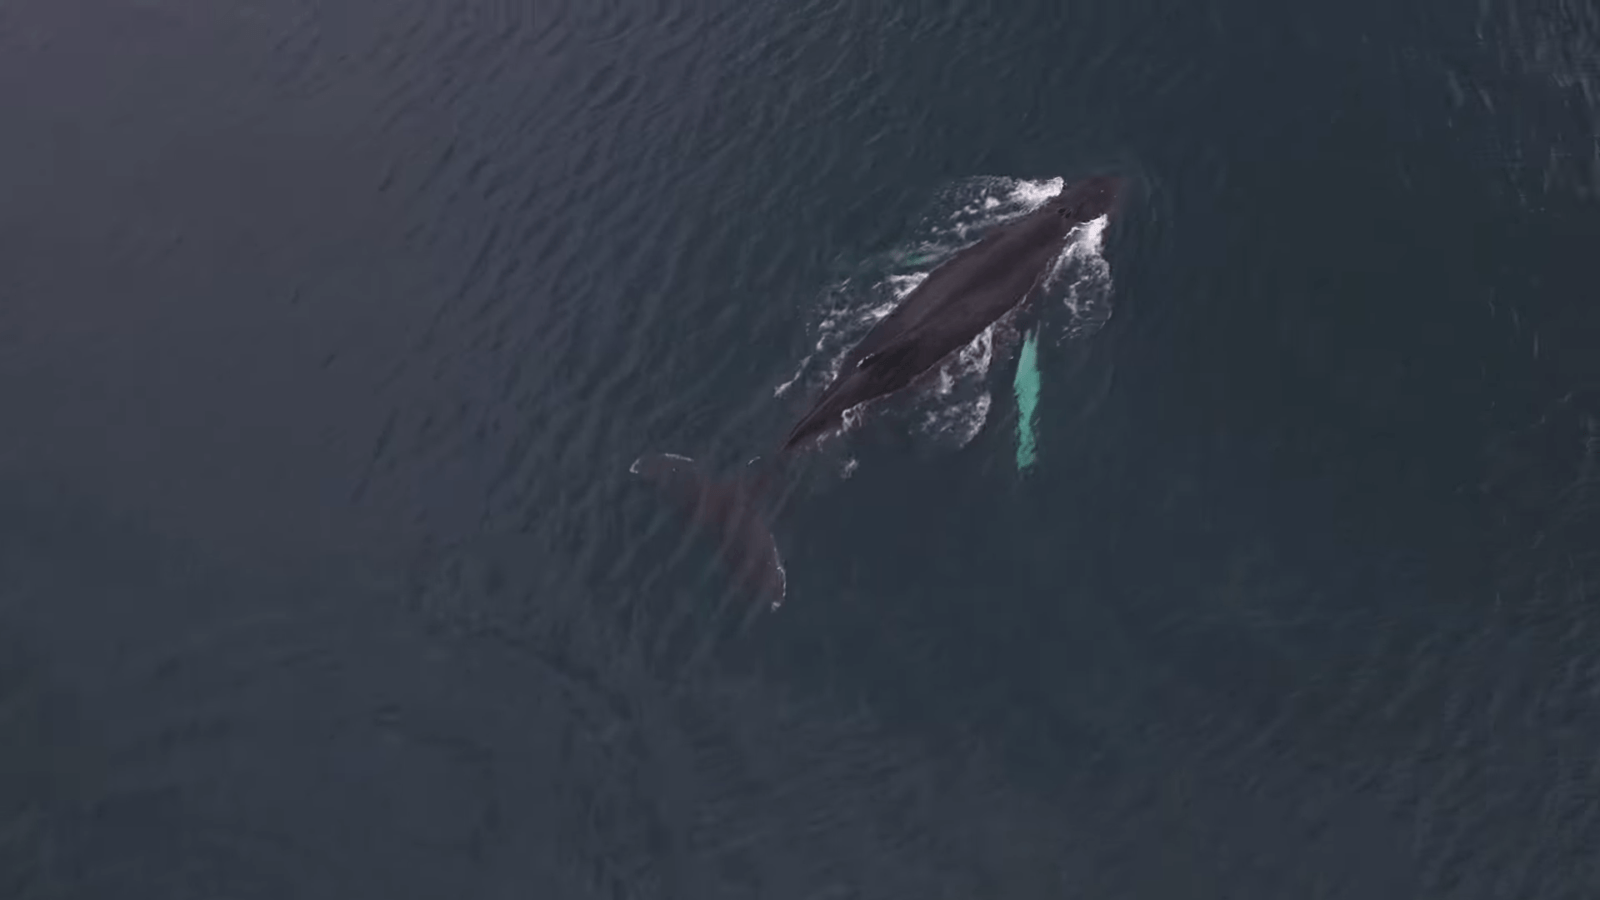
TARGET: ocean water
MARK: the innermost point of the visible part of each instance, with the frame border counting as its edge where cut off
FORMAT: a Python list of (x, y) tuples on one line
[(329, 330)]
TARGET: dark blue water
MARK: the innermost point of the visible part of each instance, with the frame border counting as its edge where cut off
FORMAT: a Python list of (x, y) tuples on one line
[(328, 332)]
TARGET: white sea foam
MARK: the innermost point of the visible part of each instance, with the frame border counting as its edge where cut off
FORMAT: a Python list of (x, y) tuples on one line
[(1083, 276)]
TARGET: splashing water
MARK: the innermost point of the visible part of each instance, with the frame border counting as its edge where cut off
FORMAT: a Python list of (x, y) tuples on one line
[(1087, 276)]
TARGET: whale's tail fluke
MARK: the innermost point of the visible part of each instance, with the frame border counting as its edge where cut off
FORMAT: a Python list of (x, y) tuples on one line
[(730, 508)]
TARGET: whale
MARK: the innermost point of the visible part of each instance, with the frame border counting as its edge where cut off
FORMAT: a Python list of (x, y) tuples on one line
[(961, 297), (955, 303)]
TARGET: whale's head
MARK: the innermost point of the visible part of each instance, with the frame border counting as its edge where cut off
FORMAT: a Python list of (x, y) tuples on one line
[(1087, 200)]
